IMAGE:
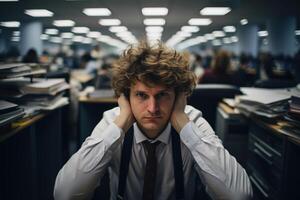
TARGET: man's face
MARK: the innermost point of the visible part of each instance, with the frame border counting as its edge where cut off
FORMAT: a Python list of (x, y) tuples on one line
[(151, 107)]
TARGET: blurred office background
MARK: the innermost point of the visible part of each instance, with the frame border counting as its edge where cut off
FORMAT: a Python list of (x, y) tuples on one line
[(55, 73)]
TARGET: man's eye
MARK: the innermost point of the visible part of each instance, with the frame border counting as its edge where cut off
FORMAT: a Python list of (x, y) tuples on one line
[(161, 95), (141, 95)]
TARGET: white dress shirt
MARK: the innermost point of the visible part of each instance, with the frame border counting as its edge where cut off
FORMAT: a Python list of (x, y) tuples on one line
[(202, 154)]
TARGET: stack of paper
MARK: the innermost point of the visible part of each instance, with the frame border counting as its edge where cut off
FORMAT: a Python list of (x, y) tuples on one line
[(50, 87), (13, 70), (295, 105), (268, 103), (42, 94), (293, 116), (9, 112)]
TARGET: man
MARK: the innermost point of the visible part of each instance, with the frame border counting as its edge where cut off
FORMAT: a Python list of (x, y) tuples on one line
[(153, 145)]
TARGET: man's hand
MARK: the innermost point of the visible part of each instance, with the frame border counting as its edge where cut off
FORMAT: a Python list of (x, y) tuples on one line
[(126, 118), (178, 118)]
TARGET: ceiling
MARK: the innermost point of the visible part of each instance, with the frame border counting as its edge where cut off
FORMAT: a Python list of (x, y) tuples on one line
[(129, 12)]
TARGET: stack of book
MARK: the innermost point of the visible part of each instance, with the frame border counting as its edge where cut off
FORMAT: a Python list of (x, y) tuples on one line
[(13, 70), (9, 112), (46, 94), (269, 104), (293, 115), (295, 105), (41, 94)]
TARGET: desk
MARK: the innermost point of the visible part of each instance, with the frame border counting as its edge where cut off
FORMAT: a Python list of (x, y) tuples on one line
[(31, 156), (273, 164), (272, 152), (90, 113), (232, 129)]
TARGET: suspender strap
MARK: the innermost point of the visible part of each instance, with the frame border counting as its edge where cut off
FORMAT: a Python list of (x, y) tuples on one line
[(177, 163), (125, 159)]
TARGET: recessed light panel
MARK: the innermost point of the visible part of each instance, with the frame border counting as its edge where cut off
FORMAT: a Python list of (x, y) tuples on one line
[(63, 23), (154, 22), (215, 11), (199, 21), (155, 11), (10, 24), (97, 11), (39, 13), (109, 22)]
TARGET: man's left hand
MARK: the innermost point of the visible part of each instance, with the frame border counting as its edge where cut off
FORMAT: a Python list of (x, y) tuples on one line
[(178, 118)]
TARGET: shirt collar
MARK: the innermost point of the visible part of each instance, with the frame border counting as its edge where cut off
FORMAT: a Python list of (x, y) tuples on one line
[(164, 137)]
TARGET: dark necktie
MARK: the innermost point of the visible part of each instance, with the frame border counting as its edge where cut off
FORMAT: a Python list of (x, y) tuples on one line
[(150, 172)]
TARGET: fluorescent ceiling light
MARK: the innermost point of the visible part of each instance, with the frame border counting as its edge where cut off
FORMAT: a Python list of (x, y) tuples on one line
[(218, 33), (116, 29), (191, 29), (229, 29), (200, 21), (297, 32), (16, 33), (80, 29), (183, 34), (209, 36), (8, 0), (262, 33), (227, 40), (265, 41), (87, 41), (10, 24), (44, 37), (124, 34), (155, 11), (39, 13), (93, 34), (56, 40), (97, 11), (244, 21), (217, 42), (15, 39), (234, 39), (63, 23), (215, 11), (154, 29), (154, 22), (67, 35), (77, 38), (201, 39), (109, 22), (51, 31)]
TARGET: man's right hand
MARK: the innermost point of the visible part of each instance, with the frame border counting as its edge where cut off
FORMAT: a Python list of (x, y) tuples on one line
[(126, 118)]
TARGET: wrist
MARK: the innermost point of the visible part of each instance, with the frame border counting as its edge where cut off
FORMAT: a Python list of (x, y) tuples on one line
[(124, 122), (179, 121)]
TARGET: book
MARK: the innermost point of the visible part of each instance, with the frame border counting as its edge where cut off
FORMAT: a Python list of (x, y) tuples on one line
[(49, 86)]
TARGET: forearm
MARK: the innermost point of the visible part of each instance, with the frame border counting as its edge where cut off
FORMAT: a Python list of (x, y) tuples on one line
[(81, 174), (223, 175)]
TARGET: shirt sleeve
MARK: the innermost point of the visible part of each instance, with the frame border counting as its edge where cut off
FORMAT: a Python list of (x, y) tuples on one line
[(223, 176), (82, 173)]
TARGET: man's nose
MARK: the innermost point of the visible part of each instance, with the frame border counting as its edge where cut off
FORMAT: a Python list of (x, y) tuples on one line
[(153, 106)]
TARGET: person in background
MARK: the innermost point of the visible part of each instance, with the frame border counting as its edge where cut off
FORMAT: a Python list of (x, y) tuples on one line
[(103, 79), (197, 66), (219, 73), (153, 144), (245, 74), (31, 56)]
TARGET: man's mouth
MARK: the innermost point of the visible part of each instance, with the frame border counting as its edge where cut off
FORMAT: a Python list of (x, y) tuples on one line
[(152, 118)]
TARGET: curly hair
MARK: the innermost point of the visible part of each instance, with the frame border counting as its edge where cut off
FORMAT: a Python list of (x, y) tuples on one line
[(152, 65)]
